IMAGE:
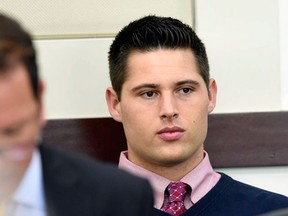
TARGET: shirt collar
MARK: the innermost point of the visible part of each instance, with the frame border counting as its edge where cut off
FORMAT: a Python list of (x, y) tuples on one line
[(201, 179), (31, 191)]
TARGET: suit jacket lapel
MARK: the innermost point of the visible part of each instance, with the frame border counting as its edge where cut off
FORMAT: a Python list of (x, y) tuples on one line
[(63, 191)]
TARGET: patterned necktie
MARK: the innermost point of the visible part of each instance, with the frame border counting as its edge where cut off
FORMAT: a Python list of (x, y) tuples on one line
[(177, 192)]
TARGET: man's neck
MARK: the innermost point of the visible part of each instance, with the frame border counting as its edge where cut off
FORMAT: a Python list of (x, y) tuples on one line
[(10, 178), (173, 171)]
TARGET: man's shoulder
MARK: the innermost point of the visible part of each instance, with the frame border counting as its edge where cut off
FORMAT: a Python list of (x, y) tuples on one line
[(244, 196), (279, 212), (231, 197), (73, 178), (88, 168), (243, 189)]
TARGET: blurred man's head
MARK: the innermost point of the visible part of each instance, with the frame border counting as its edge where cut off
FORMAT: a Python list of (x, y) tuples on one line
[(21, 117)]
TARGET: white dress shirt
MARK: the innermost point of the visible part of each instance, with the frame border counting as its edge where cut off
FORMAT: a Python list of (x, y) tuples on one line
[(28, 199)]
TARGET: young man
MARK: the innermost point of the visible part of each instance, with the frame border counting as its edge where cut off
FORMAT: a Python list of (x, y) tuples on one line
[(162, 93), (38, 181)]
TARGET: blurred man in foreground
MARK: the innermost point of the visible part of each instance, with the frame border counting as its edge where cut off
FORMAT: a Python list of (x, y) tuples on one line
[(36, 180)]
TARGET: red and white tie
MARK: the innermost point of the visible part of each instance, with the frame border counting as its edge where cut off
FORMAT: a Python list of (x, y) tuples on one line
[(177, 192)]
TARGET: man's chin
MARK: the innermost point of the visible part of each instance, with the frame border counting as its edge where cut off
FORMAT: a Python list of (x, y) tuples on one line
[(17, 154)]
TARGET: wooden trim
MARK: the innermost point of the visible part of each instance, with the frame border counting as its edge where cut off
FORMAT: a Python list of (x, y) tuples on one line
[(234, 140), (248, 139)]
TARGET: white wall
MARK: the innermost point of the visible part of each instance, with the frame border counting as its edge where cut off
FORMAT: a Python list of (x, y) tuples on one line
[(244, 50), (242, 40), (76, 76), (283, 17), (246, 42), (247, 46), (87, 18)]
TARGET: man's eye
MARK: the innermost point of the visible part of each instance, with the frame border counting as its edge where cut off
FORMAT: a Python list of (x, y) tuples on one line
[(12, 131), (186, 90), (149, 94)]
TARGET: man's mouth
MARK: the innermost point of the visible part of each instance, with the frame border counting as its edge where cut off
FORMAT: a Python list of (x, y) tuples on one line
[(171, 133), (17, 153)]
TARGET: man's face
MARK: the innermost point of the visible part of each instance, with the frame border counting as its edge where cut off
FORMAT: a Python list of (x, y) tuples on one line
[(20, 117), (164, 108)]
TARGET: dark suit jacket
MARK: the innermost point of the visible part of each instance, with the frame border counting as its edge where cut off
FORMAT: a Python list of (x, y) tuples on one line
[(78, 186), (280, 212)]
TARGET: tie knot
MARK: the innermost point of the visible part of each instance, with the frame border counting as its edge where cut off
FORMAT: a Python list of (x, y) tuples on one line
[(177, 191)]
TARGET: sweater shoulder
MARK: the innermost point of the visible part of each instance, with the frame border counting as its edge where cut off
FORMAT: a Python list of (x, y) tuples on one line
[(240, 189)]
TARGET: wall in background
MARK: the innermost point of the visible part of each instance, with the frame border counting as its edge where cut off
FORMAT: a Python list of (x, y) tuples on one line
[(76, 75), (242, 40), (89, 18), (283, 17), (245, 40), (243, 49)]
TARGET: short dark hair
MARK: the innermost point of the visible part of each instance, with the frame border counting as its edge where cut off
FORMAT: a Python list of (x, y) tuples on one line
[(151, 33), (16, 43)]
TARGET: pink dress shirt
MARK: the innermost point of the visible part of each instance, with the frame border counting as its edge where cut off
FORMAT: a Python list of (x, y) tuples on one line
[(201, 179)]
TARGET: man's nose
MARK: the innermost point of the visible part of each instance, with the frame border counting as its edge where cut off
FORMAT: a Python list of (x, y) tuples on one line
[(168, 107)]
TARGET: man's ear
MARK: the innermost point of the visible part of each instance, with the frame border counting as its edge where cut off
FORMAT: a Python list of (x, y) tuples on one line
[(212, 95), (41, 89), (113, 104)]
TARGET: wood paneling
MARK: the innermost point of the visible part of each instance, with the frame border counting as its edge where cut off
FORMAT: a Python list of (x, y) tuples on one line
[(248, 139), (234, 140)]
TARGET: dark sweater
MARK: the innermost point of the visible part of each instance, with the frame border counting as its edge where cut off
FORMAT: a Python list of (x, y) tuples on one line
[(230, 197)]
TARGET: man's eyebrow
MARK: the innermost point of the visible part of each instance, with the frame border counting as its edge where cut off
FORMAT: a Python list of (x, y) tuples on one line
[(12, 128), (191, 82), (154, 86), (144, 85)]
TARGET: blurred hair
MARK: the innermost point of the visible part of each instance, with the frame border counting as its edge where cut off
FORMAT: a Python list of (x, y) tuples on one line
[(16, 45)]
